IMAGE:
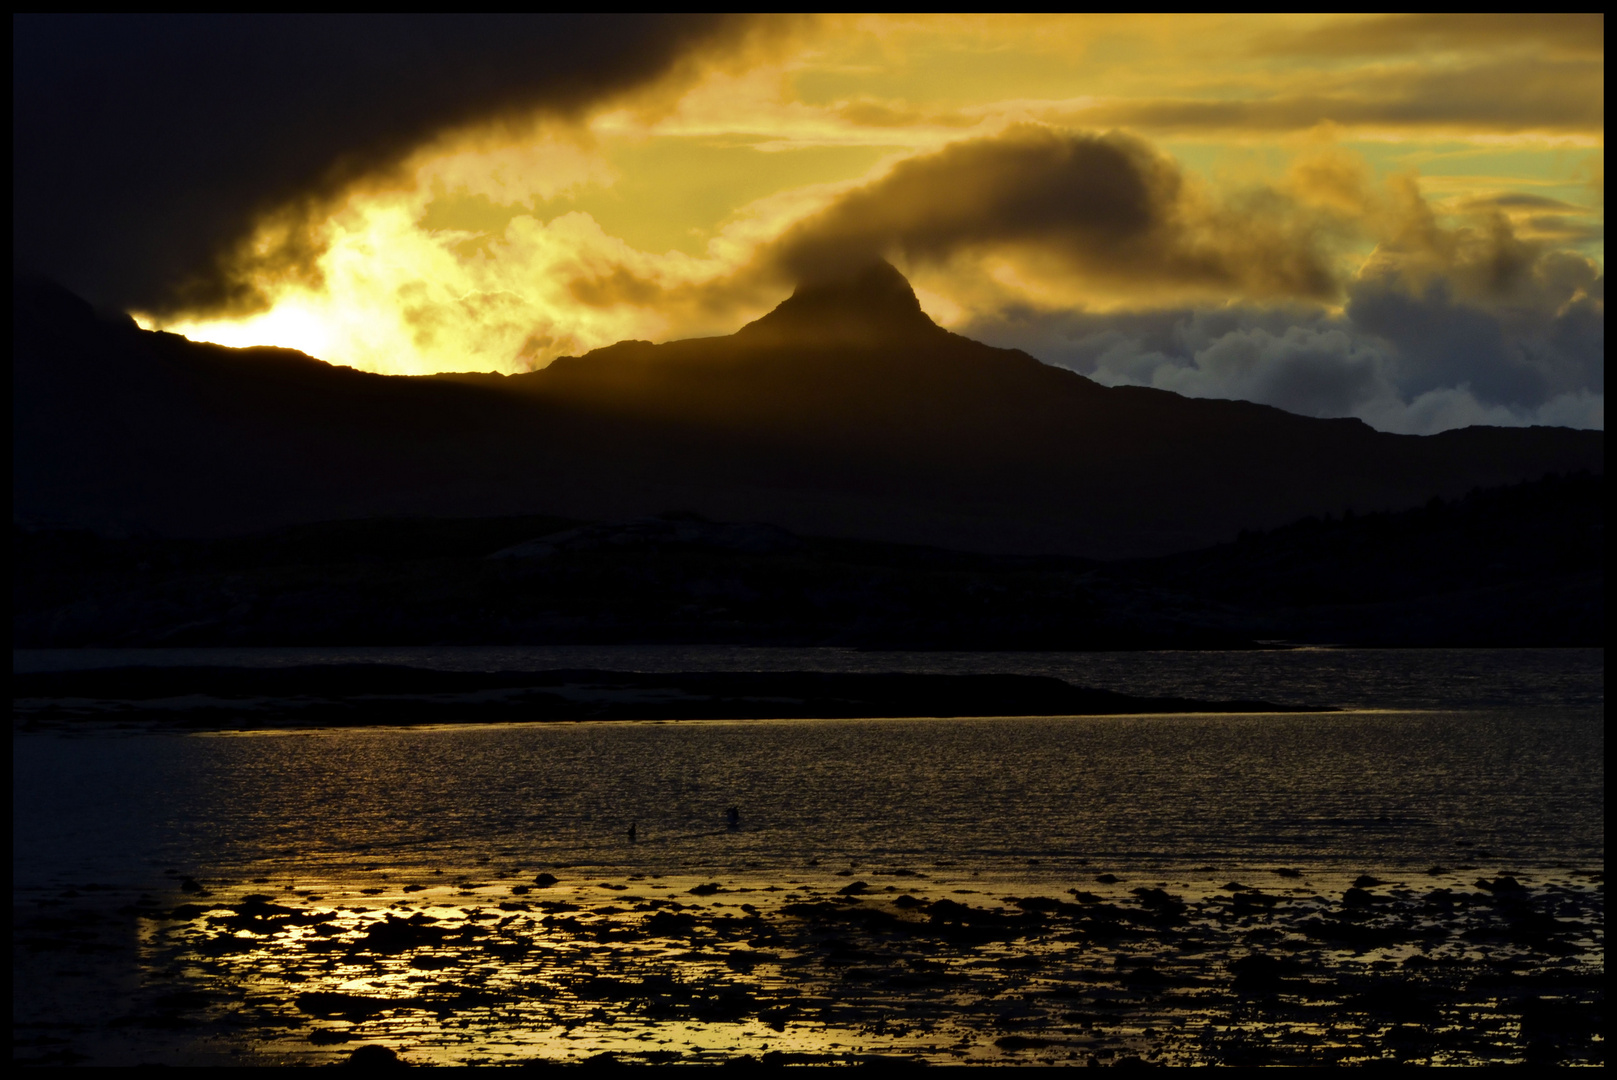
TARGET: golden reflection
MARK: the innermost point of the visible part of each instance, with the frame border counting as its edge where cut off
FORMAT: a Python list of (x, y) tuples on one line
[(935, 965)]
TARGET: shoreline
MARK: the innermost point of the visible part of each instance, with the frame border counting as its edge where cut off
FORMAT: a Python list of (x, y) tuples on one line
[(330, 910), (504, 964)]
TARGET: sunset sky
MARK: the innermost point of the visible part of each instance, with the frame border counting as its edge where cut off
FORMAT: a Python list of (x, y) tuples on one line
[(1400, 218)]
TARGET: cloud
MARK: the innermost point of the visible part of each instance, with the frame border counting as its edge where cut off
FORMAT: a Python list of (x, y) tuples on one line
[(1103, 209), (1481, 256), (1407, 359), (1511, 95), (1313, 371), (1324, 293), (145, 148), (414, 195), (1582, 34), (878, 114)]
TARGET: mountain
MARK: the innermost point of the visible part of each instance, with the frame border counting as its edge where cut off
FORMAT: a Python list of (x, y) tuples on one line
[(844, 412)]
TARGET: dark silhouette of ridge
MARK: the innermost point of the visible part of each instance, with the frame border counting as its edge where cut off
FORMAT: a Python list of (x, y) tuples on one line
[(346, 696), (1513, 566), (844, 412)]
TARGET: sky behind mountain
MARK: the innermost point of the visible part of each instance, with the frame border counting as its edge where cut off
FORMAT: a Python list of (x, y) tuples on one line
[(1399, 218)]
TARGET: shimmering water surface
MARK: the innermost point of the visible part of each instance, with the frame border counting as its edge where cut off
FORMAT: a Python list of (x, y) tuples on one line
[(1499, 749), (1387, 788), (1443, 765)]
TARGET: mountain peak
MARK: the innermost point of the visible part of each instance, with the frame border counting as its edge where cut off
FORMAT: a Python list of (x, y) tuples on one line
[(873, 304)]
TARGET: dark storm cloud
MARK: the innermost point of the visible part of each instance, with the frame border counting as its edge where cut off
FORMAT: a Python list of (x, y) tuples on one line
[(144, 147), (1103, 207)]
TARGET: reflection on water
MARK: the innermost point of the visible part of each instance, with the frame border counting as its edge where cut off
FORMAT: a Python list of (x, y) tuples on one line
[(1284, 968), (1422, 885), (1401, 789)]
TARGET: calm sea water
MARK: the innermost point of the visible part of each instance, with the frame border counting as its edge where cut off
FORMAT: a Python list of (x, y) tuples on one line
[(1441, 768), (1447, 756)]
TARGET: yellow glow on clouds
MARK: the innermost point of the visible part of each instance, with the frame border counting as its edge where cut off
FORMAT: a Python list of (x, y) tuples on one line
[(487, 250), (395, 297)]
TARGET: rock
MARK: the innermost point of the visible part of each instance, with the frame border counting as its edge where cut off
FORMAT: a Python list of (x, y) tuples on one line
[(1261, 974), (352, 1007), (1252, 900), (328, 1036), (1044, 904), (1159, 900), (375, 1057), (1145, 976), (396, 935), (730, 1005), (669, 923), (545, 881)]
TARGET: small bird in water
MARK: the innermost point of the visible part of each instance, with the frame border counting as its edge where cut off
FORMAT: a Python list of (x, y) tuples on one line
[(733, 817), (632, 825)]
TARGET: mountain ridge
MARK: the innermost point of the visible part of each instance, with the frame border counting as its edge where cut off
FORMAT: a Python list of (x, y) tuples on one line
[(874, 423)]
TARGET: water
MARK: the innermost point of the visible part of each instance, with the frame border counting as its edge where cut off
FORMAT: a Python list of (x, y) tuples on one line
[(1356, 789), (469, 894), (1499, 750)]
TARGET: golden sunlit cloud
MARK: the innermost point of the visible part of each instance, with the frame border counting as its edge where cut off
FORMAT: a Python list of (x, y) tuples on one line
[(1047, 163)]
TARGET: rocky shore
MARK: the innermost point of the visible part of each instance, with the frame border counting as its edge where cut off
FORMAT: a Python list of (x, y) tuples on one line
[(511, 965)]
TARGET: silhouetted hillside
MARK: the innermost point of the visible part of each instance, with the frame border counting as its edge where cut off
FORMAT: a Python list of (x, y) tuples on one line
[(1518, 565), (1522, 565), (844, 412), (1491, 537)]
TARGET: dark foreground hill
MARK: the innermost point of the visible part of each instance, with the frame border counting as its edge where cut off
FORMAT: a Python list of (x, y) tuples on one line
[(1520, 565), (845, 412)]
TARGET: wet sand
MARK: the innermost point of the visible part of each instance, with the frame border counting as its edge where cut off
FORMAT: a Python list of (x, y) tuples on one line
[(507, 964)]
